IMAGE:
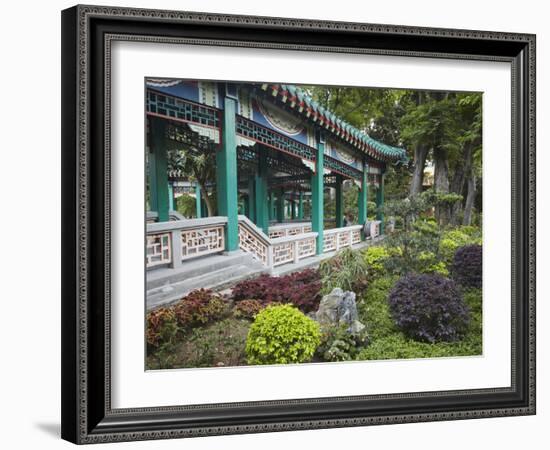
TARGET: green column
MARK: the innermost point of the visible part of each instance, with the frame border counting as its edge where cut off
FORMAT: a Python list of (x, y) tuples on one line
[(380, 202), (317, 213), (280, 205), (260, 185), (301, 205), (226, 175), (363, 196), (160, 197), (339, 202), (251, 200), (198, 203)]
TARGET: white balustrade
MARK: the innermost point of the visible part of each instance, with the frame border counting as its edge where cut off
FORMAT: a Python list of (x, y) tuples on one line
[(337, 238), (289, 229), (170, 243)]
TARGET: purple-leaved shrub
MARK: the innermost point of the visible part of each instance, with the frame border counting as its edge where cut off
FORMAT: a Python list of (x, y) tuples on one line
[(429, 308)]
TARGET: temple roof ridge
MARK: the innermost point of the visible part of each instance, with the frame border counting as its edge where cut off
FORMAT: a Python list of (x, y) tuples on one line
[(299, 100)]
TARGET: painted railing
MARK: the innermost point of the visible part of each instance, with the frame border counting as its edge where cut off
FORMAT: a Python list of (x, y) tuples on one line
[(337, 238), (289, 229), (273, 252), (170, 243)]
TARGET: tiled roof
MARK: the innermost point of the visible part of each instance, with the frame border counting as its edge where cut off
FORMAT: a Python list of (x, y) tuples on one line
[(297, 99)]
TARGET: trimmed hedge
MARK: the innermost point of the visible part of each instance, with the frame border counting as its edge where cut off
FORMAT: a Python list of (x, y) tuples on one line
[(467, 266), (429, 308), (281, 335)]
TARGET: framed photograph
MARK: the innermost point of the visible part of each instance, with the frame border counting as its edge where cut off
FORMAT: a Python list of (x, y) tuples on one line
[(280, 224)]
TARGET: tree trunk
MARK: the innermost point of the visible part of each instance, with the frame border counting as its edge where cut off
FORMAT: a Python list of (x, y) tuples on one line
[(207, 200), (441, 182), (462, 170), (469, 206), (420, 154)]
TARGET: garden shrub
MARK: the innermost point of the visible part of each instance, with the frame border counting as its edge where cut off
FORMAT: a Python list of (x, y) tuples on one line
[(374, 309), (429, 307), (280, 335), (247, 309), (338, 344), (375, 257), (429, 263), (161, 326), (219, 344), (198, 308), (299, 288), (346, 270), (467, 266), (451, 240)]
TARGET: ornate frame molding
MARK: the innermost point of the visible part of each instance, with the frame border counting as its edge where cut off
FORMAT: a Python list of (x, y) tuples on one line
[(86, 420)]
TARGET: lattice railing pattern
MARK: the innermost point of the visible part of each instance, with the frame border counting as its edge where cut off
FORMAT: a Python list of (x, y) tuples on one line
[(202, 241), (250, 243), (278, 231), (306, 247), (329, 242), (337, 238), (158, 249), (283, 253)]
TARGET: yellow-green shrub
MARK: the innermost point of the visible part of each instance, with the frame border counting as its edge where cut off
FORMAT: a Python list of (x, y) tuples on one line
[(374, 257), (453, 239), (281, 335)]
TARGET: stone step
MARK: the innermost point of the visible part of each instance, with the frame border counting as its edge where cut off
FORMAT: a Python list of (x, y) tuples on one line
[(215, 279), (195, 267)]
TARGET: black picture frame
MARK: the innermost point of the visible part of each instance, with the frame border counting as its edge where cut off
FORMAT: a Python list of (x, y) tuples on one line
[(87, 416)]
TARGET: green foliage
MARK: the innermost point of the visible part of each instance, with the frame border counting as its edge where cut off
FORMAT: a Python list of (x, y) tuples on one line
[(337, 344), (374, 310), (218, 344), (282, 335), (428, 263), (374, 257), (186, 205), (346, 270), (388, 343), (451, 240)]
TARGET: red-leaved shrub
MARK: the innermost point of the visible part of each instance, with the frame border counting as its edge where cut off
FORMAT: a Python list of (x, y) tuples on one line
[(199, 307), (299, 288), (247, 309)]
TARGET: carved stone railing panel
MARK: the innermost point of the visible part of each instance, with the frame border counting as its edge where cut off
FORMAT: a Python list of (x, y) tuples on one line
[(158, 249), (202, 241), (329, 242), (289, 229), (283, 253), (355, 237), (169, 243), (337, 238), (251, 243), (306, 247)]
